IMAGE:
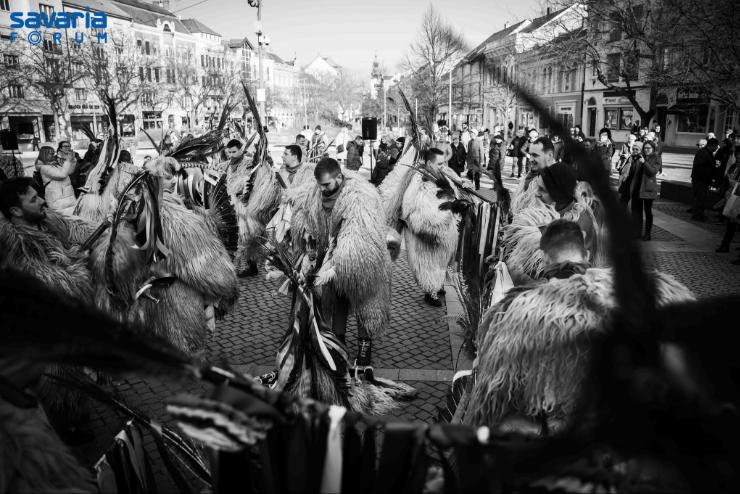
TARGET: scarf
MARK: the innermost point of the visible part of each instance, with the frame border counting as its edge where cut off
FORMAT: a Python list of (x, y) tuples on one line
[(292, 171), (564, 270), (327, 202)]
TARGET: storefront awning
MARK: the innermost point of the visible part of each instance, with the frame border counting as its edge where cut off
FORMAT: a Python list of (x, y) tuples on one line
[(26, 107)]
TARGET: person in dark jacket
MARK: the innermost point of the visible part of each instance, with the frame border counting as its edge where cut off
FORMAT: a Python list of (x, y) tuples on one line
[(496, 156), (644, 189), (517, 153), (459, 155), (355, 150), (559, 147), (475, 159), (702, 173), (383, 166)]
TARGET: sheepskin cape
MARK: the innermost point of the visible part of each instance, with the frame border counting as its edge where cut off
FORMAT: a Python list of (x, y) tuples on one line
[(533, 348), (33, 458), (430, 234), (94, 206), (197, 259), (48, 253), (261, 205), (360, 258), (521, 240)]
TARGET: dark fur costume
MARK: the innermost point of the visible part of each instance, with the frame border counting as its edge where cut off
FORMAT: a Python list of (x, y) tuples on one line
[(199, 262)]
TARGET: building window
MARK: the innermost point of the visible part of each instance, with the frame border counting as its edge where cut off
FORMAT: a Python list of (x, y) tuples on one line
[(46, 9), (152, 119), (612, 67), (626, 118), (615, 27), (16, 91), (146, 48), (632, 65), (149, 74), (141, 74), (138, 44), (156, 75), (80, 94), (203, 61), (4, 4), (729, 119), (693, 119), (11, 61), (611, 118)]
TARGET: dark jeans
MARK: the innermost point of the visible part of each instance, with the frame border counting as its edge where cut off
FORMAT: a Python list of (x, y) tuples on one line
[(336, 309), (730, 229), (519, 164), (701, 190), (475, 177), (638, 207)]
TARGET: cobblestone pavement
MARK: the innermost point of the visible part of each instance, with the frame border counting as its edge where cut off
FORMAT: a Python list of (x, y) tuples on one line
[(417, 342)]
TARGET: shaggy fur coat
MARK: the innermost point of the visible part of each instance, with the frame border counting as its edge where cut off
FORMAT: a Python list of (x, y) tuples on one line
[(521, 240), (33, 458), (49, 253), (262, 204), (360, 259), (430, 234), (533, 347), (94, 206), (197, 259)]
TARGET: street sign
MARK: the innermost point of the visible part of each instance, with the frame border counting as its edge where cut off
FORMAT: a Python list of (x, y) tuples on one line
[(261, 95)]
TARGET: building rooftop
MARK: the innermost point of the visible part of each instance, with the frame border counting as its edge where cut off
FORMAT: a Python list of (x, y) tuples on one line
[(238, 42), (106, 6), (148, 14), (195, 26), (541, 21)]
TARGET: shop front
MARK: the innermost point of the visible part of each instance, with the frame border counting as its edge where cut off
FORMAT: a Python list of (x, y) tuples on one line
[(27, 120), (612, 110), (86, 117), (689, 115)]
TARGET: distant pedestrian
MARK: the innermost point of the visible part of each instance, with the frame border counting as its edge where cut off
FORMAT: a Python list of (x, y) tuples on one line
[(496, 156), (702, 173), (605, 148), (474, 159), (355, 150), (486, 141), (532, 136), (515, 151), (35, 143), (559, 146), (458, 154)]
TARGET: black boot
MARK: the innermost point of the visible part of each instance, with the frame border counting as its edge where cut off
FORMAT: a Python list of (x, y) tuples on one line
[(364, 352), (433, 300), (250, 271)]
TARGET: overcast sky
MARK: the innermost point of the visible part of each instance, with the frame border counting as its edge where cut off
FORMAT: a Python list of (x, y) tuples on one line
[(351, 31)]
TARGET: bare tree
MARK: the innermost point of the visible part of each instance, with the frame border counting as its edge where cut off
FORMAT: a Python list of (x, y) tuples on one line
[(121, 72), (47, 70), (196, 88), (432, 54), (657, 44), (701, 48)]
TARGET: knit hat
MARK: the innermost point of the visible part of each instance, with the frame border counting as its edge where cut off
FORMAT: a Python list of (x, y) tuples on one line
[(560, 181)]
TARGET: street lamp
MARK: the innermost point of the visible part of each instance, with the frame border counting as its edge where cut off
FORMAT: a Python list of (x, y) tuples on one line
[(261, 99)]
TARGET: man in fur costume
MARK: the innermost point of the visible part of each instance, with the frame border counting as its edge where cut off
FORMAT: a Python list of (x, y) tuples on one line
[(533, 346), (343, 212), (255, 196), (179, 273), (556, 196), (46, 245), (430, 232)]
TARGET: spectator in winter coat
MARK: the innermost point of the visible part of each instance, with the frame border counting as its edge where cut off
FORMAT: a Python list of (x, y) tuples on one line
[(533, 135), (605, 148), (626, 151), (475, 159), (517, 153), (486, 141), (644, 189), (559, 147), (58, 191), (496, 156), (702, 173), (459, 155), (355, 150)]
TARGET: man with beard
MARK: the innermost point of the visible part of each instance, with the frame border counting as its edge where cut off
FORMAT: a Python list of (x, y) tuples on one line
[(255, 196), (343, 212)]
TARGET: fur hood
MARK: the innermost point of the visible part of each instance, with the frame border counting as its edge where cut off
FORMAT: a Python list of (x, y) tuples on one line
[(96, 207), (533, 345)]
